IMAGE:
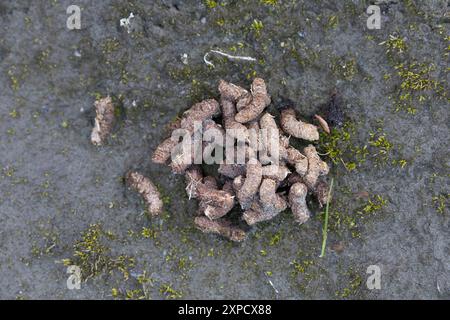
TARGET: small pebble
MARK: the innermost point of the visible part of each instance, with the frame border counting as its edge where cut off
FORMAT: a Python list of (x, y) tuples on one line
[(184, 58)]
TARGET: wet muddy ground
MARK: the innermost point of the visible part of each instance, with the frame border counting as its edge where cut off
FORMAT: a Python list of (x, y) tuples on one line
[(63, 201)]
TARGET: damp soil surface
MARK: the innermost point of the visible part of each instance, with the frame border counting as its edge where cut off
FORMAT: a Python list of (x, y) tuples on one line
[(63, 201)]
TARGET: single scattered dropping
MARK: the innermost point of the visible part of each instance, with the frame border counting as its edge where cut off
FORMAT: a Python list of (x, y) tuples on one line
[(104, 121), (147, 190)]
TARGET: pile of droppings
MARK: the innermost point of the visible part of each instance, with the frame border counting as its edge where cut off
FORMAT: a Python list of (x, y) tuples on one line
[(260, 187)]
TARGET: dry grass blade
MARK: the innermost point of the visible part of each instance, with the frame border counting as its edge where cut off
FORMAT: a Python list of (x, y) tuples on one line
[(325, 227)]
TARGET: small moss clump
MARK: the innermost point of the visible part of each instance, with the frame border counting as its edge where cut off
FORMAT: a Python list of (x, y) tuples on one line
[(42, 58), (332, 22), (110, 45), (275, 238), (381, 147), (300, 267), (14, 114), (305, 270), (94, 257), (342, 220), (400, 162), (211, 4), (8, 171), (149, 233), (344, 68), (170, 293), (13, 78), (65, 124), (141, 292), (270, 2), (417, 83), (341, 148), (257, 26), (395, 45), (447, 48), (416, 76), (373, 205), (354, 285), (441, 202)]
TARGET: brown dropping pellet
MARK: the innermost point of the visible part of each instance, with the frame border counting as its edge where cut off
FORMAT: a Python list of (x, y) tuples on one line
[(147, 190), (316, 167), (297, 200), (251, 183), (221, 227), (260, 101), (104, 121), (271, 202), (321, 192), (297, 128)]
